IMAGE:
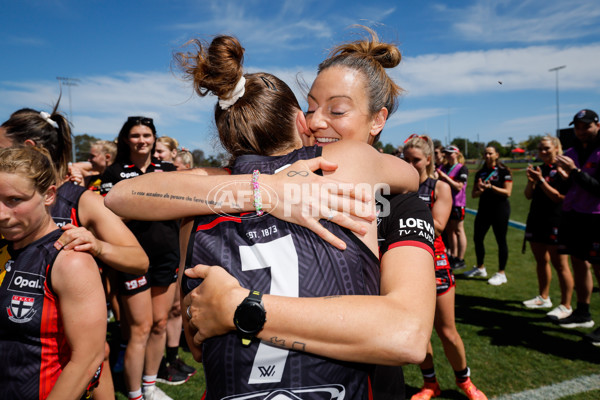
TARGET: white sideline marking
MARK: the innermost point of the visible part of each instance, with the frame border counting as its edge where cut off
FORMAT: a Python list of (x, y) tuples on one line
[(557, 390)]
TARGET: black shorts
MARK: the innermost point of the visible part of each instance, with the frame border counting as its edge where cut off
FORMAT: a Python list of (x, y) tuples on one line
[(579, 236), (156, 276), (542, 231), (457, 214), (444, 280)]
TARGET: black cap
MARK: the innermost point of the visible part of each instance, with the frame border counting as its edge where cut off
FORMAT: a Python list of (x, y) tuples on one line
[(586, 116)]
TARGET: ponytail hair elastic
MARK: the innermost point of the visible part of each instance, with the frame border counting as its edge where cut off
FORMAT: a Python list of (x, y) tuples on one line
[(236, 93), (49, 120)]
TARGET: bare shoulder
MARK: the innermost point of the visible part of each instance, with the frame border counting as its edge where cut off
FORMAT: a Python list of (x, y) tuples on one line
[(442, 187), (72, 267), (344, 148)]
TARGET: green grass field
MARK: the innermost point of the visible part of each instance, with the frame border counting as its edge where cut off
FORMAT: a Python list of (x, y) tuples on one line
[(509, 348)]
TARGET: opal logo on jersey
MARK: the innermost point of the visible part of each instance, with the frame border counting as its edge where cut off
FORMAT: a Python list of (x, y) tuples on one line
[(25, 282), (21, 309), (127, 175), (60, 222)]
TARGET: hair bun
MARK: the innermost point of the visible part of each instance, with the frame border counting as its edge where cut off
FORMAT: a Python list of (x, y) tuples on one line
[(215, 67), (388, 55)]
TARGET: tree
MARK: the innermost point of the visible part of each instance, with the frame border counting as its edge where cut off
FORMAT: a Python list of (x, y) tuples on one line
[(198, 156), (511, 144), (532, 142), (218, 161), (467, 148), (389, 148), (83, 144)]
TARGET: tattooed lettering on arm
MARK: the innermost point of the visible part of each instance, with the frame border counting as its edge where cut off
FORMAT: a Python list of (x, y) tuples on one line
[(169, 196)]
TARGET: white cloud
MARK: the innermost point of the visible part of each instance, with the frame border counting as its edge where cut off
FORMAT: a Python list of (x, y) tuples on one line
[(517, 69), (24, 41), (263, 29), (523, 21), (102, 103)]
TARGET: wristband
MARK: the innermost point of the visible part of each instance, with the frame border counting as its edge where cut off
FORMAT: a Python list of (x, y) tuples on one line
[(256, 192)]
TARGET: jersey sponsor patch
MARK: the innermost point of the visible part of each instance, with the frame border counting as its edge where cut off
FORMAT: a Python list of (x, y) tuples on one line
[(136, 283), (60, 222), (25, 282), (416, 226), (21, 309)]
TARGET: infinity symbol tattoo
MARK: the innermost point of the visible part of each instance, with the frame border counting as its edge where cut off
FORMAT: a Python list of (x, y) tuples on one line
[(294, 173)]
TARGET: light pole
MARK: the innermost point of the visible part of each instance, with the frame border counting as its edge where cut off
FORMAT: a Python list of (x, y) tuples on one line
[(557, 118), (69, 82)]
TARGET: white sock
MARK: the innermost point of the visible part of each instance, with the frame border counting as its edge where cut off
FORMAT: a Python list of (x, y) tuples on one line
[(149, 380), (135, 395)]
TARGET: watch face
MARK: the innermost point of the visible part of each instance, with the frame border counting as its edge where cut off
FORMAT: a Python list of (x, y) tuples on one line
[(249, 317)]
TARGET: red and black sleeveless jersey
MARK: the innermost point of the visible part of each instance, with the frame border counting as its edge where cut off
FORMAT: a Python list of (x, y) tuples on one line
[(427, 194), (65, 209), (279, 258), (33, 346)]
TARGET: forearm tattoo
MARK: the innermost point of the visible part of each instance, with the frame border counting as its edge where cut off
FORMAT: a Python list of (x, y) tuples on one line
[(297, 346), (169, 196), (303, 174)]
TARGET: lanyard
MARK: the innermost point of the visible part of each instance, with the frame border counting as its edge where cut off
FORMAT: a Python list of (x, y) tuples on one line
[(494, 172), (452, 169)]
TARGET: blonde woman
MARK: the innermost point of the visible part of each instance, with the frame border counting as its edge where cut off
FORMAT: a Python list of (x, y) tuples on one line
[(53, 331), (418, 151), (166, 149), (546, 190)]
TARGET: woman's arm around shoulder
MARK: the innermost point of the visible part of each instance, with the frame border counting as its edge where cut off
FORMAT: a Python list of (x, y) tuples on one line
[(118, 247), (358, 159), (76, 282)]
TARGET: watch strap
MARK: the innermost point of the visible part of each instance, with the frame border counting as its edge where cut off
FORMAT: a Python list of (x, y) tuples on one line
[(253, 297)]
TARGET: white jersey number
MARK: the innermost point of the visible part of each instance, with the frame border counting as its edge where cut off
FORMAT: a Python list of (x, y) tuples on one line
[(279, 255)]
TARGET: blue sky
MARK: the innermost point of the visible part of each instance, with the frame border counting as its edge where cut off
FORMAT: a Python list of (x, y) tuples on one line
[(454, 55)]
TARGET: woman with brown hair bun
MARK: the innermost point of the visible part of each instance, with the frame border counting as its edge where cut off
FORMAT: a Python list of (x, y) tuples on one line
[(327, 320), (259, 121)]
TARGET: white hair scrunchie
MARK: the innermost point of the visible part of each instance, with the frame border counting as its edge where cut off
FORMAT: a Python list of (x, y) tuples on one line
[(237, 92), (49, 120)]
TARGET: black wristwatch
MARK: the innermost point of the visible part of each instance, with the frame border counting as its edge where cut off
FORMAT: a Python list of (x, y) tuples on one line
[(250, 317)]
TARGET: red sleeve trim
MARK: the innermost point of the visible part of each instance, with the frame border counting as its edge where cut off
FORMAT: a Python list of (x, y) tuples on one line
[(218, 221), (412, 243)]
